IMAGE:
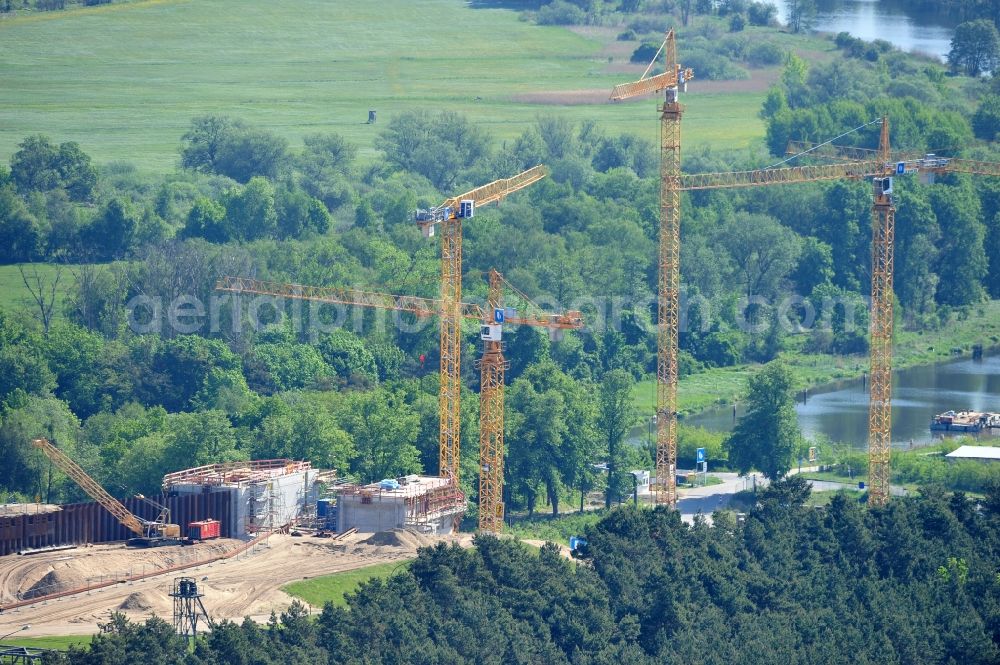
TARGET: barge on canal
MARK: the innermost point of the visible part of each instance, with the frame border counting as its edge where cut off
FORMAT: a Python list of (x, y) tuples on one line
[(965, 421)]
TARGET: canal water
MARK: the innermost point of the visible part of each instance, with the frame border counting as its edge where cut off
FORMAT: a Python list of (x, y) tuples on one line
[(839, 411), (924, 32)]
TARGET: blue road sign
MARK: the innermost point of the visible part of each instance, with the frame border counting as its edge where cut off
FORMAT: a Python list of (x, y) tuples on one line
[(699, 455), (498, 314), (900, 168)]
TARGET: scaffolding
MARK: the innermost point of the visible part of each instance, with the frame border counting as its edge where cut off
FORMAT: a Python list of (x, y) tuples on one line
[(264, 509), (435, 504), (235, 473), (423, 499)]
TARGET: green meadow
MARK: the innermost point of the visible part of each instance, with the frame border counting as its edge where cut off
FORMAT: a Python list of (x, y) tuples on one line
[(15, 296), (335, 587), (58, 642), (125, 80)]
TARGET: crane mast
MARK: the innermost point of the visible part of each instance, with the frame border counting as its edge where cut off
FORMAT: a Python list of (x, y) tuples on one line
[(449, 216), (880, 395), (491, 416), (492, 365), (671, 81)]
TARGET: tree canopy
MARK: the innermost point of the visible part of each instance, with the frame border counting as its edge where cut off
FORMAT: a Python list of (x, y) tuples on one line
[(768, 434)]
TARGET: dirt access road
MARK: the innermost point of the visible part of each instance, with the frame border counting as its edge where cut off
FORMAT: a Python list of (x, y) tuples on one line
[(246, 585)]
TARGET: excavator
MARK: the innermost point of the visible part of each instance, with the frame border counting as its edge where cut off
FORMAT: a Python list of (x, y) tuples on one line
[(148, 533)]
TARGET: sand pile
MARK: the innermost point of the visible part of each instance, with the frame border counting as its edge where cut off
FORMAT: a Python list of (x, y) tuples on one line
[(399, 538), (52, 582), (138, 601)]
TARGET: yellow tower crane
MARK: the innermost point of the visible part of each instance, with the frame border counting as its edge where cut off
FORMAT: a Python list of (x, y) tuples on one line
[(491, 394), (880, 165), (449, 216), (491, 318), (875, 165), (671, 82)]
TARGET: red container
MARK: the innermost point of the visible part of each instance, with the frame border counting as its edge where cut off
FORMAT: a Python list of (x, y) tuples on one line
[(204, 530)]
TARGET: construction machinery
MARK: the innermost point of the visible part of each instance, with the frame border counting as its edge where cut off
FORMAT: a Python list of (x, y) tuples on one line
[(491, 318), (880, 165), (148, 533), (449, 216), (671, 81), (877, 166), (492, 366)]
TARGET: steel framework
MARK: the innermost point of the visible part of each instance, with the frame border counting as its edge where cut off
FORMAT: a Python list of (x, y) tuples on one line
[(491, 419), (450, 392), (668, 285), (91, 487), (668, 302), (449, 217), (880, 397), (188, 608)]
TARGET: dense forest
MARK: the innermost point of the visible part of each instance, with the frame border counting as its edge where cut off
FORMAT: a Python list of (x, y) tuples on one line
[(915, 582), (143, 368)]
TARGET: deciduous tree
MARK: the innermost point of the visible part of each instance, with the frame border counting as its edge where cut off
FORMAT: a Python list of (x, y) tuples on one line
[(975, 48), (384, 429), (616, 416), (768, 434)]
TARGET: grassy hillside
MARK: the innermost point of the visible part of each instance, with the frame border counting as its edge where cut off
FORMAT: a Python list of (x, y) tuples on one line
[(125, 80)]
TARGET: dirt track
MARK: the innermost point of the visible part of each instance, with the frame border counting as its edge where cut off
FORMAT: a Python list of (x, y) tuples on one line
[(247, 585)]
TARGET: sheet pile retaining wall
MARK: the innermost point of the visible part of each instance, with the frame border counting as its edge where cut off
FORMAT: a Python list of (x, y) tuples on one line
[(86, 523)]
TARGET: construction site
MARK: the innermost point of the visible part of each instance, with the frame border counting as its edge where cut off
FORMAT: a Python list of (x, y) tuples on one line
[(244, 529)]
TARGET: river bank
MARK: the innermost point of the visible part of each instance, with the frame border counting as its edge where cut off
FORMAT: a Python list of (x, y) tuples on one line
[(722, 386)]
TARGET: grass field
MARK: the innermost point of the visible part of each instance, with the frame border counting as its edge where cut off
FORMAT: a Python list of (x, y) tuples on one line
[(61, 642), (125, 80), (15, 296), (333, 588)]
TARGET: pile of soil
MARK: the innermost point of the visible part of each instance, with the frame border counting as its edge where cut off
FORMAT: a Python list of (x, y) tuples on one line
[(53, 582), (136, 601), (399, 538)]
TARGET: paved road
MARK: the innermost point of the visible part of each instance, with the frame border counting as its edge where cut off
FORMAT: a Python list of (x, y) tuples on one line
[(706, 500)]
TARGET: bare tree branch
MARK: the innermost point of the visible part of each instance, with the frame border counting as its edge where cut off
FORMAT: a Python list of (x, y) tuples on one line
[(43, 292)]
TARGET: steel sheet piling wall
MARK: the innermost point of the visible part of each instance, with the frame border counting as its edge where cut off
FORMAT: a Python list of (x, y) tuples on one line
[(84, 523)]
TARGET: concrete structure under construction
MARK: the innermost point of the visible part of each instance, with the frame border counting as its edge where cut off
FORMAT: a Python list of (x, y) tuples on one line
[(424, 503), (264, 494)]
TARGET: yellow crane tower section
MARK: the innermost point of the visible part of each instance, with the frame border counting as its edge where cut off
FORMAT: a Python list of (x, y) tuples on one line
[(881, 164), (491, 394), (148, 533), (875, 165), (449, 216), (492, 366), (671, 82)]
